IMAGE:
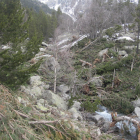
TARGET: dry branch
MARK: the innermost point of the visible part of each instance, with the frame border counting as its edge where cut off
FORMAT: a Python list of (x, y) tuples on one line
[(92, 42), (42, 122), (116, 119), (85, 63), (89, 44), (21, 114)]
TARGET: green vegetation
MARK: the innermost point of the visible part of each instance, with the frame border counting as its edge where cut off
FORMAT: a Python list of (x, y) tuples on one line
[(16, 120), (24, 31), (126, 87)]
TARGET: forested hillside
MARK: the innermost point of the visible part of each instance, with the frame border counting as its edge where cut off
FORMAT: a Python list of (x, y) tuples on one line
[(65, 78), (22, 30)]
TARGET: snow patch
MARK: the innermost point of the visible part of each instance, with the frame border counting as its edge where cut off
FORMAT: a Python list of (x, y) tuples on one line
[(125, 37), (63, 41)]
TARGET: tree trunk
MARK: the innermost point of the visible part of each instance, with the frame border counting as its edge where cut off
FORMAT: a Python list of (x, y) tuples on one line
[(137, 51)]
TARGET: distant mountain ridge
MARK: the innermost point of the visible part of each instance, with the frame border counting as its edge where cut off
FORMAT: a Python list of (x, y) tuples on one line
[(70, 7), (36, 5)]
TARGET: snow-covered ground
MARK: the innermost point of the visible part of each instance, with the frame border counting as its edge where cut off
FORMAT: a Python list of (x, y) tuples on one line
[(125, 38), (74, 43)]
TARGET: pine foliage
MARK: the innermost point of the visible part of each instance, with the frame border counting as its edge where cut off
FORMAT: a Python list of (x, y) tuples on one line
[(13, 68)]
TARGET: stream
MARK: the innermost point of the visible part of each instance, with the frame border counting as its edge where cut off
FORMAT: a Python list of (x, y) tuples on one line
[(126, 129)]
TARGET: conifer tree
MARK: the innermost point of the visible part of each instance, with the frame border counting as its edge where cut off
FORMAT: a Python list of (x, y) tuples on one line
[(14, 69)]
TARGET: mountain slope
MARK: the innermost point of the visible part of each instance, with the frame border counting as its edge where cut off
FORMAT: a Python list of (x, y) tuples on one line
[(36, 5), (71, 7)]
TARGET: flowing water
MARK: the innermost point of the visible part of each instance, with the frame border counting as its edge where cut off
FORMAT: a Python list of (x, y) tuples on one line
[(126, 128)]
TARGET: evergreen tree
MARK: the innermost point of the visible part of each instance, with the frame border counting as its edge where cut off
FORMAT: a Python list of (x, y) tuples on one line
[(53, 23), (14, 69), (14, 29)]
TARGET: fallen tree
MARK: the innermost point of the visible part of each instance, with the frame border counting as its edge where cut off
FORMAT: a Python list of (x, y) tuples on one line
[(116, 119)]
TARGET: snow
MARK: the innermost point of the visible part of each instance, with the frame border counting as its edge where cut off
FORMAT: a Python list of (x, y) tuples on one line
[(74, 43), (63, 41), (71, 11), (46, 55), (44, 1), (57, 6), (82, 37), (125, 37), (5, 47)]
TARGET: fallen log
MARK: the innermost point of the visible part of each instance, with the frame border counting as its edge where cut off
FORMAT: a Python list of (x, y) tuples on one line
[(85, 63), (116, 119)]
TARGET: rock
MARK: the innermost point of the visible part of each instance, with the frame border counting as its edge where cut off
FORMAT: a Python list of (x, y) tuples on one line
[(136, 103), (36, 87), (101, 53), (63, 88), (35, 81), (41, 101), (137, 112), (41, 107), (75, 114), (76, 105), (98, 119), (95, 132), (130, 47), (65, 96), (106, 126), (36, 91), (123, 53), (22, 101), (44, 44), (46, 87), (97, 81), (54, 99), (42, 49)]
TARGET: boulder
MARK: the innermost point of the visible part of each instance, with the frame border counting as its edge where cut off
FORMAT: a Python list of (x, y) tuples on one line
[(130, 47), (35, 81), (55, 100), (102, 52), (98, 119), (96, 132), (22, 101), (137, 112), (75, 114), (36, 87), (42, 49), (44, 44), (63, 88), (36, 91), (76, 105), (41, 107), (106, 126), (123, 53), (136, 103), (97, 81)]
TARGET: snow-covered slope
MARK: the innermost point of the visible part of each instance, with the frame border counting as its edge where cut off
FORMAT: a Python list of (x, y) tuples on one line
[(71, 7)]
